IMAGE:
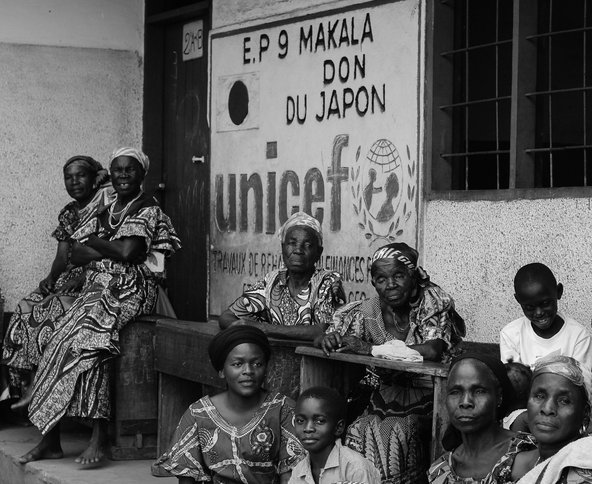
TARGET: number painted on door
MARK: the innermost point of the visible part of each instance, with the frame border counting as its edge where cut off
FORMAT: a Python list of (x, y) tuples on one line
[(193, 40)]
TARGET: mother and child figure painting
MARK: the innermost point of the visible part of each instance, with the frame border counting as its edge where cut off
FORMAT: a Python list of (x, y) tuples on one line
[(523, 417)]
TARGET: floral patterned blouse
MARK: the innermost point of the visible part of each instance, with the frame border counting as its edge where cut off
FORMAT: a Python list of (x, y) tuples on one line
[(442, 471), (209, 449), (270, 300)]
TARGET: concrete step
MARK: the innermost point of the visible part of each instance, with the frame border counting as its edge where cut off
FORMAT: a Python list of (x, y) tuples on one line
[(17, 440)]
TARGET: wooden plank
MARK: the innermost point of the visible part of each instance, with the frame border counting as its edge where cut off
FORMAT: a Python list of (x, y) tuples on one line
[(440, 418), (175, 396), (522, 127), (424, 368)]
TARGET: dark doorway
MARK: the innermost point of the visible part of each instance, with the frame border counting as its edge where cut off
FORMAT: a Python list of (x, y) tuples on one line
[(177, 139)]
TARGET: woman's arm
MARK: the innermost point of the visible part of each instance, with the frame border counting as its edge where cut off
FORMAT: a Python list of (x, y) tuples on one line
[(226, 319), (82, 254), (431, 350), (57, 267), (126, 249)]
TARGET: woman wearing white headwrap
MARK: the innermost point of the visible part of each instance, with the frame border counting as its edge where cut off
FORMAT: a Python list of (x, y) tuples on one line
[(123, 248), (296, 301), (558, 415)]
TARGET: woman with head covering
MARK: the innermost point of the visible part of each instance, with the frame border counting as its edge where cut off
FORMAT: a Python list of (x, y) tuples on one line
[(35, 316), (296, 301), (558, 416), (123, 249), (242, 435), (479, 393), (409, 315)]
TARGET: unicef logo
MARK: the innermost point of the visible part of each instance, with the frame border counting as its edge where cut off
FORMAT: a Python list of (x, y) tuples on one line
[(383, 191)]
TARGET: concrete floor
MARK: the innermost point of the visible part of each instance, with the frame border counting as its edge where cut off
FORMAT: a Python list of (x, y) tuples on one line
[(17, 440)]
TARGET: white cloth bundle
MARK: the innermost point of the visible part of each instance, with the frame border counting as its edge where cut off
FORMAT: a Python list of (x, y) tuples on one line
[(396, 349)]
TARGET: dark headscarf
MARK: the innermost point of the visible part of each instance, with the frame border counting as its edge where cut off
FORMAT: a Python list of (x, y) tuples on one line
[(226, 340), (451, 438), (499, 371), (92, 165)]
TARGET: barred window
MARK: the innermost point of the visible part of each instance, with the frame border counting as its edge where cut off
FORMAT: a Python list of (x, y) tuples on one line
[(511, 94)]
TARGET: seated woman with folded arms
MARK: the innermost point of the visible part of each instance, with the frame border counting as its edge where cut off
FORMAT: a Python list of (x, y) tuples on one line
[(35, 316), (123, 249), (559, 417)]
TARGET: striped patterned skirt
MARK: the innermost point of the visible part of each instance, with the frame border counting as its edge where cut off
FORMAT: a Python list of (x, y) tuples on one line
[(73, 378)]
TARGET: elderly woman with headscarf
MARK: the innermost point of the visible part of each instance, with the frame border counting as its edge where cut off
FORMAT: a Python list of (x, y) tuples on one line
[(409, 316), (559, 417), (34, 318), (296, 301), (123, 248), (479, 394)]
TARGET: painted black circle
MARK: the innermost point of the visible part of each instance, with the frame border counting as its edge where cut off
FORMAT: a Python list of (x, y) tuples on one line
[(238, 102)]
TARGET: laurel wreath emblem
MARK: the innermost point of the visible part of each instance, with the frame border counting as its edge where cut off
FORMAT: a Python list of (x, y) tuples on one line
[(365, 219)]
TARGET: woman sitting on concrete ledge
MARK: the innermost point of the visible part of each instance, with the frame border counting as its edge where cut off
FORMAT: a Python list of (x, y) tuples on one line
[(123, 249), (35, 316)]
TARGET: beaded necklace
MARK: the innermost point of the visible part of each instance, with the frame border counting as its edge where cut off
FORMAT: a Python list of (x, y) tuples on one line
[(113, 223)]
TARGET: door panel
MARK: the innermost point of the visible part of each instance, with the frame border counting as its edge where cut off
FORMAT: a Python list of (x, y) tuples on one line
[(185, 177)]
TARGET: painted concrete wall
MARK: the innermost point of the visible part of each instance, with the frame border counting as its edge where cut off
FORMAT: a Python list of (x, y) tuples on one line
[(356, 170), (473, 249), (100, 24), (66, 91)]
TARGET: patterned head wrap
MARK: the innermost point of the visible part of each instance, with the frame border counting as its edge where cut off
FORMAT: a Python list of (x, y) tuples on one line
[(134, 153), (567, 367), (224, 342), (398, 251), (301, 219), (87, 162)]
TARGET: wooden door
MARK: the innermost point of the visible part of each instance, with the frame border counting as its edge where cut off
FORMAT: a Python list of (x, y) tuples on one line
[(184, 185)]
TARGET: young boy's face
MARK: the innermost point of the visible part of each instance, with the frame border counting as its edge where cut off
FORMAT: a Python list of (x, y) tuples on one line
[(539, 302), (316, 427)]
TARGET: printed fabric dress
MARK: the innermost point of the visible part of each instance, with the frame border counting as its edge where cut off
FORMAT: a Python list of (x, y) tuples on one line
[(270, 301), (394, 430), (207, 448), (73, 378), (442, 471), (34, 318)]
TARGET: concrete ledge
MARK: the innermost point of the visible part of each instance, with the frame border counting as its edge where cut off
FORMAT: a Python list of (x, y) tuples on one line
[(15, 441)]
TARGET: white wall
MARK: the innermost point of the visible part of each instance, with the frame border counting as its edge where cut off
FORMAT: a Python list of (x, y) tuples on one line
[(473, 249), (99, 24), (67, 91)]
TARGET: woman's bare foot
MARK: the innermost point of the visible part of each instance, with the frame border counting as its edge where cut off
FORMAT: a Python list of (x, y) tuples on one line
[(49, 448), (95, 452)]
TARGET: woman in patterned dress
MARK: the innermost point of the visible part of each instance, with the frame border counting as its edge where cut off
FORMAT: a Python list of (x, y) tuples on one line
[(559, 418), (295, 302), (123, 249), (34, 318), (242, 435), (479, 394), (394, 429)]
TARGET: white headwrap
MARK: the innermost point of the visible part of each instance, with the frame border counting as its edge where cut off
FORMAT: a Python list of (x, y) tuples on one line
[(134, 153), (301, 219)]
